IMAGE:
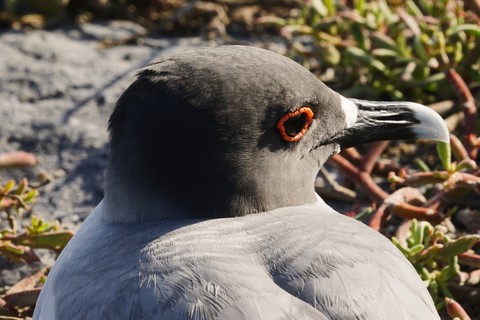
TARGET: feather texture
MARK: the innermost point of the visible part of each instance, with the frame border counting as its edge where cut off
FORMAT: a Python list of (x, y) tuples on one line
[(305, 262)]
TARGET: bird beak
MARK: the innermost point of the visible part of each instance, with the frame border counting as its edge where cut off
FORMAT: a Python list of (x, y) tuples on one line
[(368, 121)]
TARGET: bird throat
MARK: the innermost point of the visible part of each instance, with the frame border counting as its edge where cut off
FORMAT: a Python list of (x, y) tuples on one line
[(131, 198)]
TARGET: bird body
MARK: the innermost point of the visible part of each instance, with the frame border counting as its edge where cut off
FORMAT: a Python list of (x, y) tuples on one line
[(289, 263), (210, 210)]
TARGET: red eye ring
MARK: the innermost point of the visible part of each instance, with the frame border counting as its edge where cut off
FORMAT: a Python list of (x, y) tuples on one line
[(308, 120)]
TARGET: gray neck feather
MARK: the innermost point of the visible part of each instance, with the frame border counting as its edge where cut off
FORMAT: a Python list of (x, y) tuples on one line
[(133, 196)]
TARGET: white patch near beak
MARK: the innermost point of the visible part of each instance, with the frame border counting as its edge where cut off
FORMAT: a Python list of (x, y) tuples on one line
[(350, 110)]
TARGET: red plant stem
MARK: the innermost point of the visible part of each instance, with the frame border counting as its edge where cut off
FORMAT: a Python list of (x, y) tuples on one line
[(17, 159), (455, 310), (467, 181), (469, 259), (408, 211), (422, 178), (458, 149), (379, 217), (27, 283), (460, 179), (364, 179), (469, 110), (382, 168), (371, 157), (346, 166), (352, 155)]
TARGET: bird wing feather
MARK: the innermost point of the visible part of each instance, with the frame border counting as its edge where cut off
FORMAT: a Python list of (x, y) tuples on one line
[(303, 262), (346, 270)]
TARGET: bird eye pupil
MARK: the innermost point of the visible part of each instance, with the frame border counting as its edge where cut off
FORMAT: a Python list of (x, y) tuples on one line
[(295, 124)]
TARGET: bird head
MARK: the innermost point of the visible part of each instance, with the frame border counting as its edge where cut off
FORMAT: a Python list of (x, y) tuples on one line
[(234, 130)]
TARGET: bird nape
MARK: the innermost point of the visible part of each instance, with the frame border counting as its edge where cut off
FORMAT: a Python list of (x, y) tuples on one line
[(210, 210)]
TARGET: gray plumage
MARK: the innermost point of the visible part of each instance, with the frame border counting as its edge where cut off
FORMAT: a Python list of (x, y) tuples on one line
[(210, 214), (291, 263)]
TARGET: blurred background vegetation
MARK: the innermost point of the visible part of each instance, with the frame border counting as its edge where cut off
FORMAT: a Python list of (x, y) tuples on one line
[(390, 49), (419, 50)]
